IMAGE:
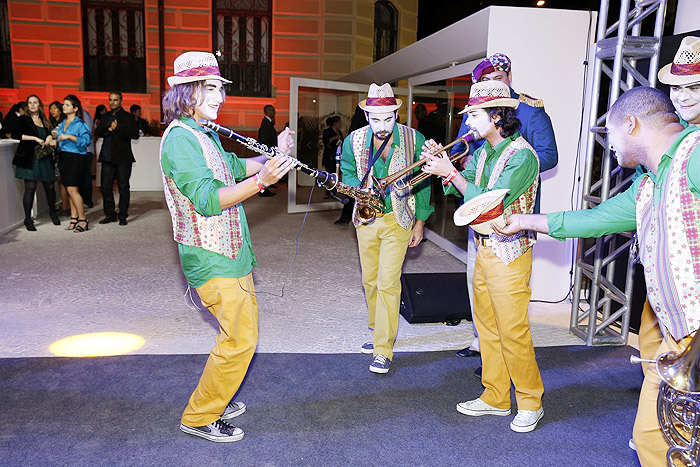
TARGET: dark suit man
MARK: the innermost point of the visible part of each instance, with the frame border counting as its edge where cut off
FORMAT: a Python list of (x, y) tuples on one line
[(117, 128), (267, 135)]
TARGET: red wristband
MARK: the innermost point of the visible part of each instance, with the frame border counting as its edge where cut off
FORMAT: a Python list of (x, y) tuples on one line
[(261, 186), (450, 177)]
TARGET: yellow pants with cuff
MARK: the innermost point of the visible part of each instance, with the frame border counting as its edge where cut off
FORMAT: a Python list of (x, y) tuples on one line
[(232, 302), (501, 298), (382, 245)]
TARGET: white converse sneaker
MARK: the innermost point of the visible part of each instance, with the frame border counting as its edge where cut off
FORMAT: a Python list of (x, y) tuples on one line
[(477, 408), (219, 432), (233, 409), (526, 420)]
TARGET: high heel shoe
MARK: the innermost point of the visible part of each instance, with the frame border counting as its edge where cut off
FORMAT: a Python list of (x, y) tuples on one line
[(72, 224), (80, 228), (29, 225)]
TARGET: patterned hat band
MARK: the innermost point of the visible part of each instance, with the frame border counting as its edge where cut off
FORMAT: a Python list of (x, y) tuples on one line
[(489, 215), (199, 71), (685, 70), (482, 99), (381, 101)]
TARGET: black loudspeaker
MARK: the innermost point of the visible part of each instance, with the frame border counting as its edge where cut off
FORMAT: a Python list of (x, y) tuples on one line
[(435, 298)]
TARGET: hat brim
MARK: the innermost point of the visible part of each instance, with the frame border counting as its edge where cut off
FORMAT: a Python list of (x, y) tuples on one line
[(503, 102), (379, 108), (175, 80), (666, 77), (469, 211)]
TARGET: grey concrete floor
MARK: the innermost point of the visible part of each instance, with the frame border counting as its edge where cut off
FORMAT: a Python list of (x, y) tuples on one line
[(57, 283)]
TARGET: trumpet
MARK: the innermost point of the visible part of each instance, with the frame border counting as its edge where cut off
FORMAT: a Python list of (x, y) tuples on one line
[(368, 203), (397, 178)]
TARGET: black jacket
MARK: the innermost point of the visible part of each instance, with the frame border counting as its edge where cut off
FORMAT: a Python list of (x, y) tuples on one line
[(127, 129), (24, 157), (267, 134)]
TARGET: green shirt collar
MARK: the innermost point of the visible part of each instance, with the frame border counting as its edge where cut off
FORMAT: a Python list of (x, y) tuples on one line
[(500, 147), (190, 122)]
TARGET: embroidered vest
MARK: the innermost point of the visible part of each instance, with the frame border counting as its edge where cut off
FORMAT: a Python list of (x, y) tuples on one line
[(218, 234), (403, 202), (510, 248), (669, 244)]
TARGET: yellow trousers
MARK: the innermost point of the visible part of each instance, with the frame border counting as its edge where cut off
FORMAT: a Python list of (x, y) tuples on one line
[(501, 298), (651, 445), (232, 302), (650, 335), (383, 245)]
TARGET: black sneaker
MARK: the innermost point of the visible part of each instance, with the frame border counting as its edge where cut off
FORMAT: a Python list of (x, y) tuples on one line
[(233, 409), (219, 432)]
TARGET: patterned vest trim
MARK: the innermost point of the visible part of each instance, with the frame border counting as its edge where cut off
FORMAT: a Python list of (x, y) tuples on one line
[(403, 201), (669, 245), (218, 234), (510, 248)]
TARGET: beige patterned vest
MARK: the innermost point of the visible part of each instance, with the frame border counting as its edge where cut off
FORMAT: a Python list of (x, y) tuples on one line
[(510, 248), (218, 234), (403, 202)]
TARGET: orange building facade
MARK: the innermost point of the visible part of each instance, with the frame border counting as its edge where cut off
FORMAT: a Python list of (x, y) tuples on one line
[(322, 39)]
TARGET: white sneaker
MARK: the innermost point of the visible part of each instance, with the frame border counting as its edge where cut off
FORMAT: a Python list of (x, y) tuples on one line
[(219, 432), (233, 409), (477, 408), (526, 420)]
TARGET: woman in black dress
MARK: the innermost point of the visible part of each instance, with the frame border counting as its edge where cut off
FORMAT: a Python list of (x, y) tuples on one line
[(73, 137), (34, 160)]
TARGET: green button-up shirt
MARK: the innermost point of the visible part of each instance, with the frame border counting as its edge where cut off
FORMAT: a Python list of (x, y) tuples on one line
[(618, 214), (517, 176), (348, 166), (183, 161)]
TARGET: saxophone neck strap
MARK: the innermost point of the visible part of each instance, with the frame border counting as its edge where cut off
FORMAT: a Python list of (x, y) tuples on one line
[(374, 157)]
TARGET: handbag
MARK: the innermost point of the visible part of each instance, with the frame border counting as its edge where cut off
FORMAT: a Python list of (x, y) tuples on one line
[(42, 151)]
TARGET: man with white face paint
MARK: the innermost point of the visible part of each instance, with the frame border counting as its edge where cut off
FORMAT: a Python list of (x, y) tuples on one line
[(663, 205), (382, 148), (503, 263), (204, 187)]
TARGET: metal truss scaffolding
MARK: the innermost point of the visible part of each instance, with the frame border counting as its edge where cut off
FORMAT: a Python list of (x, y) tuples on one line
[(618, 49)]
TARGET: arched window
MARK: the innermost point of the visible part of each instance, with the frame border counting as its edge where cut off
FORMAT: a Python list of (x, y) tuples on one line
[(243, 45), (114, 45), (386, 27)]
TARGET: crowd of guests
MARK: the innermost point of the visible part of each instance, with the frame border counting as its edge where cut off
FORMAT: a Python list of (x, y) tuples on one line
[(59, 146)]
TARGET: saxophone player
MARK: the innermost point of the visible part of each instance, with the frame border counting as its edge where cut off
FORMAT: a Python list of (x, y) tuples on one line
[(204, 187), (379, 149)]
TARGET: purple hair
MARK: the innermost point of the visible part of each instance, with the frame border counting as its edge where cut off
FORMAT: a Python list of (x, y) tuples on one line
[(180, 100)]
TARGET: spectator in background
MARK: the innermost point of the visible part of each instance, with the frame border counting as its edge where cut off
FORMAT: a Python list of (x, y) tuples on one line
[(86, 184), (99, 112), (118, 128), (56, 116), (10, 120), (144, 129), (332, 139), (267, 135), (358, 121), (73, 136), (34, 159)]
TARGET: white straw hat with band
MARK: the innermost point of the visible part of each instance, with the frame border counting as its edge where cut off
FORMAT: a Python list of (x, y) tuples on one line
[(195, 66), (380, 99), (481, 211), (487, 94), (685, 68)]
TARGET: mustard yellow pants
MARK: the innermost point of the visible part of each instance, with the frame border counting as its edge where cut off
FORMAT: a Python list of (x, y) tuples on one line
[(382, 245), (650, 335), (232, 302), (501, 298), (651, 445)]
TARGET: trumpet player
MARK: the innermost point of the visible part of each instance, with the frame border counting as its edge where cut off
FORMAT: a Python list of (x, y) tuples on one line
[(377, 150), (204, 187), (503, 264), (663, 205)]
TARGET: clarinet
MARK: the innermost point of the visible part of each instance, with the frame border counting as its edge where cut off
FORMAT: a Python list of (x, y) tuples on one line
[(323, 178)]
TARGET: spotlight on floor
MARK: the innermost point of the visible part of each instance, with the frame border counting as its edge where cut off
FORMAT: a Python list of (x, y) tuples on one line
[(540, 3), (97, 344)]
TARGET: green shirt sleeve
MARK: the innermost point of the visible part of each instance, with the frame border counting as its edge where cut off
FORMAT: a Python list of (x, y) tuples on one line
[(615, 215), (183, 161), (422, 190), (348, 166), (517, 176)]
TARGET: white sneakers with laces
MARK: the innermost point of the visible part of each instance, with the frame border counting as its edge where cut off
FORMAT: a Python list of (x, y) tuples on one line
[(477, 408), (526, 420)]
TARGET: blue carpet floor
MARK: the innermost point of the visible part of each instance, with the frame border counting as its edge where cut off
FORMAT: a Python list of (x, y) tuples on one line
[(314, 410)]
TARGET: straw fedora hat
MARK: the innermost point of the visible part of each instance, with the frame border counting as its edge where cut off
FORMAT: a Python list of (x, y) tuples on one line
[(380, 99), (481, 211), (195, 66), (685, 68), (486, 94)]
